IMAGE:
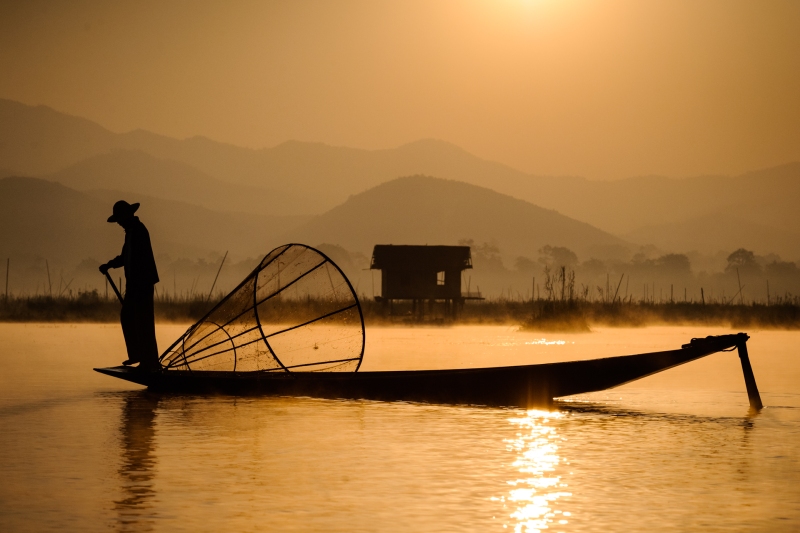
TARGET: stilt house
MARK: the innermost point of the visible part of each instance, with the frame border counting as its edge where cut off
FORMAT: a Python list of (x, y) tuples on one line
[(422, 274)]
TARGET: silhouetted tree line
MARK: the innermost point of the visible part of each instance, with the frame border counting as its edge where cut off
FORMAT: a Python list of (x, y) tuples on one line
[(745, 277)]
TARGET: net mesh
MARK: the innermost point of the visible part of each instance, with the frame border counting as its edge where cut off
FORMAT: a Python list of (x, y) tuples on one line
[(295, 312)]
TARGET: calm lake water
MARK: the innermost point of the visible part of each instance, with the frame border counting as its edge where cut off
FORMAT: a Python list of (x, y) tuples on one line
[(678, 451)]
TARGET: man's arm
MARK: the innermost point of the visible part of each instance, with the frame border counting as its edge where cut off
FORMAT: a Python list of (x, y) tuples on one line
[(114, 263)]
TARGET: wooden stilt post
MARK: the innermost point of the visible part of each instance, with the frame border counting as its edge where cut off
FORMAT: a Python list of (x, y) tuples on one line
[(749, 378)]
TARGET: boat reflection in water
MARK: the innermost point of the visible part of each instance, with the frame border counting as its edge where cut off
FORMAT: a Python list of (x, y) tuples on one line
[(533, 500), (137, 462)]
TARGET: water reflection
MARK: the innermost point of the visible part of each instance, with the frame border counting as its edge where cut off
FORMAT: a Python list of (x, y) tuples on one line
[(546, 342), (138, 460), (534, 496)]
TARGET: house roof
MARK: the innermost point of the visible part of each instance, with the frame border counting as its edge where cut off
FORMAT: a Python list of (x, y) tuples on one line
[(414, 257)]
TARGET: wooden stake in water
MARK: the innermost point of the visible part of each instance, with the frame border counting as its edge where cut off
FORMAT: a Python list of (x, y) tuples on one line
[(617, 291), (8, 265), (739, 281), (50, 283)]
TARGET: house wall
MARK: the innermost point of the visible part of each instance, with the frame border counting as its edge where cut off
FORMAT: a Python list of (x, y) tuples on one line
[(419, 284)]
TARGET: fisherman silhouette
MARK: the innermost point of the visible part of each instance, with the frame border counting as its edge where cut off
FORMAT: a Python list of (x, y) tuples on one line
[(137, 317)]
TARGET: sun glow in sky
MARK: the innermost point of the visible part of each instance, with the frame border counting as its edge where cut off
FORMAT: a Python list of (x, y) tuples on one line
[(601, 89)]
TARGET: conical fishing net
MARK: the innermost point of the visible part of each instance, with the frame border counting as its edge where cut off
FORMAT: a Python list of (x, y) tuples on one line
[(295, 312)]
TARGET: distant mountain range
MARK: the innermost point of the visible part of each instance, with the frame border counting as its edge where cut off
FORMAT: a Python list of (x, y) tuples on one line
[(425, 210), (39, 218), (140, 173), (46, 219), (756, 210)]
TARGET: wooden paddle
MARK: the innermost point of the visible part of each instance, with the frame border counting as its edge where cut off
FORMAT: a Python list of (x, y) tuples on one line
[(116, 291)]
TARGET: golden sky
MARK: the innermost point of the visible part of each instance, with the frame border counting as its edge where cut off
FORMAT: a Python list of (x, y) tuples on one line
[(603, 89)]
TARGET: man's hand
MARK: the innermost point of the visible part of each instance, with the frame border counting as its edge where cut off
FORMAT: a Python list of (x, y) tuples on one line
[(104, 269)]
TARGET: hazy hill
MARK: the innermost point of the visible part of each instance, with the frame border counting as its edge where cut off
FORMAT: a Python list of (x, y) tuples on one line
[(41, 218), (46, 219), (40, 141), (314, 178), (425, 210), (757, 211), (720, 231), (325, 176), (138, 172), (622, 206)]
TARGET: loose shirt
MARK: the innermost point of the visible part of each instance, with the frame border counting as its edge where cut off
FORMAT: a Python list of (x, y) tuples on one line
[(137, 257)]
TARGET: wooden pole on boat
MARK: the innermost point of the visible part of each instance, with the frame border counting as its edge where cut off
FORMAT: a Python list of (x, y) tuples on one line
[(749, 378), (217, 276), (113, 286)]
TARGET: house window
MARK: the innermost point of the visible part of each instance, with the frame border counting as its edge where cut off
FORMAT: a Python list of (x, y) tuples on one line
[(440, 278)]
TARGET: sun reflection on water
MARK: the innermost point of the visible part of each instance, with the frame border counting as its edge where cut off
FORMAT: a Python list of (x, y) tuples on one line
[(534, 495), (546, 342), (513, 341)]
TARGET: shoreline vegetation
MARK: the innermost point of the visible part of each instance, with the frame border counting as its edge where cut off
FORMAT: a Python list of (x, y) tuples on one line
[(748, 291), (554, 314)]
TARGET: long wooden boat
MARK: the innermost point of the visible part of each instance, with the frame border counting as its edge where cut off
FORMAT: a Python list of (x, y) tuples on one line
[(294, 326), (523, 386)]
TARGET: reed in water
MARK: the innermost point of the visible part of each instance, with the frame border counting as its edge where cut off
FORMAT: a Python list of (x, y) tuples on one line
[(553, 314)]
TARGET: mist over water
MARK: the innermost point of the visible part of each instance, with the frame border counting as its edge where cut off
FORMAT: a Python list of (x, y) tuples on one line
[(676, 451)]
